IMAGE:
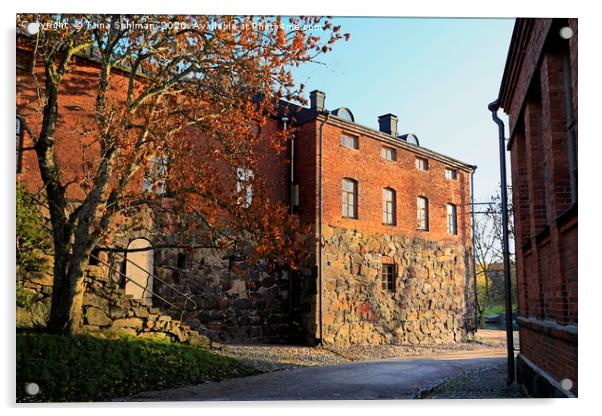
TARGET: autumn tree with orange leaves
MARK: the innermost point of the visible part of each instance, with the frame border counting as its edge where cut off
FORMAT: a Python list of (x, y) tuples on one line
[(208, 81)]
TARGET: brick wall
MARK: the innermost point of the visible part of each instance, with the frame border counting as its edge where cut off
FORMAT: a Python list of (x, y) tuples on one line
[(533, 94), (373, 173), (355, 307)]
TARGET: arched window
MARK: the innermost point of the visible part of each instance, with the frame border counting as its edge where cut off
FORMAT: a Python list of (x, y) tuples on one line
[(422, 213), (139, 270), (349, 189), (452, 227), (389, 206)]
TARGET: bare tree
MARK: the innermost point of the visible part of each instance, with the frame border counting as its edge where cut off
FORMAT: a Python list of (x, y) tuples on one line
[(489, 253)]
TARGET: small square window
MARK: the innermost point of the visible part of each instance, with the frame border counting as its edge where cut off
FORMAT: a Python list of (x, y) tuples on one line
[(451, 174), (422, 164), (387, 277), (351, 142), (388, 153)]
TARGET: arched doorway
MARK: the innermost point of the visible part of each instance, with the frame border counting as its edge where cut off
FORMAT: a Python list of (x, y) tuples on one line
[(138, 269)]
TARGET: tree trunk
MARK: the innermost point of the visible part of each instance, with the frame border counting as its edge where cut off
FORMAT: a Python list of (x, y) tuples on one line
[(59, 313), (67, 296)]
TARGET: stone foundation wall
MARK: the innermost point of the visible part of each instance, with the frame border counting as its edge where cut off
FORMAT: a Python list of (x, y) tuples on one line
[(431, 301), (235, 302), (106, 307)]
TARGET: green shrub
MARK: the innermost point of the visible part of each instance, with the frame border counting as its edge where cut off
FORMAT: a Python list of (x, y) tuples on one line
[(25, 297), (88, 368), (33, 240)]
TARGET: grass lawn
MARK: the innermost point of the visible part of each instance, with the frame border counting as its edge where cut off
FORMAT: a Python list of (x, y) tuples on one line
[(500, 308), (93, 368)]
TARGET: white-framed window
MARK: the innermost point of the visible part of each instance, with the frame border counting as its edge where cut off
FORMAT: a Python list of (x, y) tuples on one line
[(422, 213), (388, 153), (349, 141), (349, 192), (422, 164), (244, 186), (452, 225), (451, 174), (155, 174), (389, 206)]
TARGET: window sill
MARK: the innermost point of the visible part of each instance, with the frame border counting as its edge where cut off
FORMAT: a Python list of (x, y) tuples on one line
[(389, 225)]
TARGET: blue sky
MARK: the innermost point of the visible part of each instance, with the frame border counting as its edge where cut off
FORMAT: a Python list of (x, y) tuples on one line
[(436, 75)]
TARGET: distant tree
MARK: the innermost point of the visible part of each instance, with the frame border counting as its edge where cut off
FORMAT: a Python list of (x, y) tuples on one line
[(489, 253), (221, 75)]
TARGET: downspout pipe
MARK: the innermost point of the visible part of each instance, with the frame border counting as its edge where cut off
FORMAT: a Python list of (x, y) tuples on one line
[(493, 107), (326, 114), (474, 256)]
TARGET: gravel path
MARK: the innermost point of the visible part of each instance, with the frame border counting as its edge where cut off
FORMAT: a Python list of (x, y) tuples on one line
[(267, 358)]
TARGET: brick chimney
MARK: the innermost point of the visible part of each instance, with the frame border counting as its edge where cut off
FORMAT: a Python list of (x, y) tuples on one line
[(316, 99), (388, 124)]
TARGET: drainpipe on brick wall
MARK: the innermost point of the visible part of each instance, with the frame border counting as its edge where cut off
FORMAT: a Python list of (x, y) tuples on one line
[(474, 256), (326, 114), (493, 107)]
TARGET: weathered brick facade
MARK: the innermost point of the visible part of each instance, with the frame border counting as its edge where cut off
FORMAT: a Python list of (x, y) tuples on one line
[(338, 295), (541, 65)]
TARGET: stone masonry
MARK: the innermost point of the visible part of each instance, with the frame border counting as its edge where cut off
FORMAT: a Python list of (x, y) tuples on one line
[(107, 307), (428, 302), (235, 302)]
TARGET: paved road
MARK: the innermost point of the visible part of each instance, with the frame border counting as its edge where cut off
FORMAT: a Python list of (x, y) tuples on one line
[(387, 379)]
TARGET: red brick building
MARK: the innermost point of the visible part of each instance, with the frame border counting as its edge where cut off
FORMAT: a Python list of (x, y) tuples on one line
[(394, 225), (391, 257), (539, 93)]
